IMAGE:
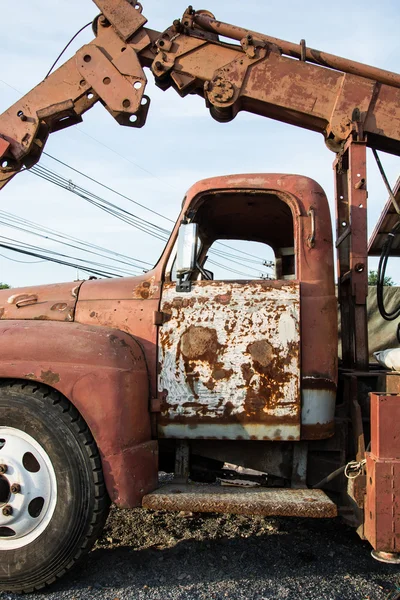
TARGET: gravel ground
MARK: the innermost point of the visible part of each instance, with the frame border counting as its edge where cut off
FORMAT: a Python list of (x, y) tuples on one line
[(158, 556)]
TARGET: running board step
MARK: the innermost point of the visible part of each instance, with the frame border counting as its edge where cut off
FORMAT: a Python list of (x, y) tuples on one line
[(280, 502)]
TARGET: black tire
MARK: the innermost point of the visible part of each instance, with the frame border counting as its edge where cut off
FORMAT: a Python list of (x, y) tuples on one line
[(82, 502)]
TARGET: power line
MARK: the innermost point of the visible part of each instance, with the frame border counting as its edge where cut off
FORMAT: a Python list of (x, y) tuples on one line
[(59, 261), (103, 185), (114, 191), (127, 159), (122, 214), (25, 262), (211, 262), (117, 271), (32, 228), (222, 255), (109, 207)]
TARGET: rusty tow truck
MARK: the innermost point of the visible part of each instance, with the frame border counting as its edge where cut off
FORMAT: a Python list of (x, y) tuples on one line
[(103, 383)]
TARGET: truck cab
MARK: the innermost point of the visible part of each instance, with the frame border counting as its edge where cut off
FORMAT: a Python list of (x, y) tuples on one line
[(250, 360), (247, 362)]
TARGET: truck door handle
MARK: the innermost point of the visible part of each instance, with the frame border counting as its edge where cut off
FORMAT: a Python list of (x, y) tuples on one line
[(311, 237), (21, 300)]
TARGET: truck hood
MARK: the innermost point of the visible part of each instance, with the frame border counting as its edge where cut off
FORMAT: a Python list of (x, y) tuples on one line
[(55, 302)]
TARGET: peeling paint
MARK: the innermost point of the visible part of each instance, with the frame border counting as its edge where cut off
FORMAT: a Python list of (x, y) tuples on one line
[(49, 377), (230, 356), (146, 289)]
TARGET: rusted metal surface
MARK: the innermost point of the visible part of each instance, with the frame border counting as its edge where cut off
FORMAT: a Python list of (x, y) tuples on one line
[(121, 92), (55, 302), (114, 399), (103, 372), (314, 267), (318, 407), (385, 426), (230, 361), (253, 76), (61, 99), (382, 518), (299, 51), (266, 82), (267, 502), (127, 304), (382, 514), (125, 16), (352, 260), (130, 304), (4, 146)]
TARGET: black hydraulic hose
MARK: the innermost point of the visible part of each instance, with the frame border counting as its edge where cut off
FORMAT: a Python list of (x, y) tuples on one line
[(329, 478), (386, 249)]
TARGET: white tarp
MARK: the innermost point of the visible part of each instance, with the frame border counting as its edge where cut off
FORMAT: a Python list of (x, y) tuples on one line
[(381, 333)]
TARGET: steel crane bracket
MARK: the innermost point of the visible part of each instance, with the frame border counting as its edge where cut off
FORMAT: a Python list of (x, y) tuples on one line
[(126, 18)]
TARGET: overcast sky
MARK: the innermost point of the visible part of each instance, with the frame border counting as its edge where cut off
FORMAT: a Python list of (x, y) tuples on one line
[(180, 143)]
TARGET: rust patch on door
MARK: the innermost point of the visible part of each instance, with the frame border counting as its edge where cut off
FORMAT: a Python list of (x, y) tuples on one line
[(200, 343), (261, 352)]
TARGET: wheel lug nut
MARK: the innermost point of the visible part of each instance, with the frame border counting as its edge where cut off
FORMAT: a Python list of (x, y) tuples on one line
[(7, 511), (3, 469), (15, 488)]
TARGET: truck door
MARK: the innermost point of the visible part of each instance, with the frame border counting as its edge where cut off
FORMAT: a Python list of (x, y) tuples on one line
[(229, 360)]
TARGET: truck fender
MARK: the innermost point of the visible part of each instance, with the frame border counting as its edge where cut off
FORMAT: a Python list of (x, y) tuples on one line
[(103, 373)]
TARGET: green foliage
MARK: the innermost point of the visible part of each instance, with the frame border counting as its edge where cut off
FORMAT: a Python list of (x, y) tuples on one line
[(4, 286), (373, 279)]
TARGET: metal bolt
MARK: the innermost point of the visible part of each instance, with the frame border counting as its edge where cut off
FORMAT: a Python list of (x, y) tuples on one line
[(159, 66), (103, 21), (359, 267), (21, 115), (15, 488), (3, 469), (7, 511)]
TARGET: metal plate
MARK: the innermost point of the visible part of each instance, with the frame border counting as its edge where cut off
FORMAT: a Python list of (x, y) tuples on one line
[(229, 361), (259, 501)]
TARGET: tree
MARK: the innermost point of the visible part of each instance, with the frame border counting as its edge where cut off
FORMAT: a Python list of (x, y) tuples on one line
[(373, 279), (4, 286)]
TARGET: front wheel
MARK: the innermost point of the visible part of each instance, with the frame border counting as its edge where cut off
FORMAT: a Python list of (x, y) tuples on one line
[(53, 502)]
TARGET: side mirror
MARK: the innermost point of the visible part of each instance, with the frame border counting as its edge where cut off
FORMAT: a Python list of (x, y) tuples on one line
[(187, 251)]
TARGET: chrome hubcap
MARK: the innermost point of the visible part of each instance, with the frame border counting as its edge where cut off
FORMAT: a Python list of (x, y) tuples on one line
[(28, 489)]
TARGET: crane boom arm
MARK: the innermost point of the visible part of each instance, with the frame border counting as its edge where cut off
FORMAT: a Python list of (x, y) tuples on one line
[(321, 92), (331, 95), (106, 70)]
